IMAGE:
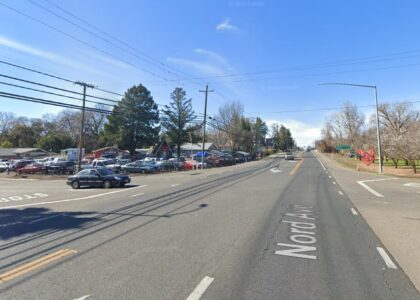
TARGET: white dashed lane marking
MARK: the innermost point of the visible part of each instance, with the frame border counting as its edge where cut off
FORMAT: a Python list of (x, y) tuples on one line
[(341, 193), (388, 261), (201, 288), (354, 211)]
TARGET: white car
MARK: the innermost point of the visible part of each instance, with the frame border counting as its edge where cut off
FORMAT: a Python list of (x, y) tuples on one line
[(289, 156)]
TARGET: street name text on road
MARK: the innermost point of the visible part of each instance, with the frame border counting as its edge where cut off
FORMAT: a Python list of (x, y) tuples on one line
[(302, 233), (23, 197)]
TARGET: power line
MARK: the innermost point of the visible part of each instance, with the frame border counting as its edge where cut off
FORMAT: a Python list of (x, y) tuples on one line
[(56, 88), (50, 93), (81, 41), (53, 76), (149, 57), (51, 102)]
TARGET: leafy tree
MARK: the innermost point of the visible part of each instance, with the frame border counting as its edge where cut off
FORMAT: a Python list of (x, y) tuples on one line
[(134, 121), (55, 142), (177, 115), (282, 137), (260, 130), (6, 144), (22, 136)]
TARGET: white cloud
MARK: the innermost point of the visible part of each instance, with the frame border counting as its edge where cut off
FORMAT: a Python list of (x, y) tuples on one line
[(212, 55), (304, 134), (202, 67), (9, 43), (226, 26)]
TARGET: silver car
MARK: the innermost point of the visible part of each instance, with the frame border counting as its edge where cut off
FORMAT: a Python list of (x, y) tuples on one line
[(289, 156)]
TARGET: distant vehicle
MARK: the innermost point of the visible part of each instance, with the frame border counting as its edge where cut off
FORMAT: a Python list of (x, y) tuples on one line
[(150, 167), (30, 169), (289, 156), (97, 178)]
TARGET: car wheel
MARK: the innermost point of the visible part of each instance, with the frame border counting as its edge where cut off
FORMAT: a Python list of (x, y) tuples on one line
[(107, 184), (75, 185), (122, 184)]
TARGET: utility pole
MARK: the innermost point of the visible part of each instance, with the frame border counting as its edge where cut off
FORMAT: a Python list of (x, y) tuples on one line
[(82, 127), (204, 124)]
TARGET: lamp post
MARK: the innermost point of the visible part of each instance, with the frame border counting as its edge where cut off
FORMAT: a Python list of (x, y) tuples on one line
[(378, 133)]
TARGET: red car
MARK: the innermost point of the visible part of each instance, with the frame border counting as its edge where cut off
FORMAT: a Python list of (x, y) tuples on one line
[(30, 169)]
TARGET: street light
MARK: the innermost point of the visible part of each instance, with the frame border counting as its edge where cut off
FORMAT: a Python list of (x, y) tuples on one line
[(378, 134)]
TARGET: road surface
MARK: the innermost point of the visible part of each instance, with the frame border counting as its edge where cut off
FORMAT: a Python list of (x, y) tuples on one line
[(272, 229)]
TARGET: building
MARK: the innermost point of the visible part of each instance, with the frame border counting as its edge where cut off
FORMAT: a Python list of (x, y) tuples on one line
[(110, 152), (190, 149), (18, 153)]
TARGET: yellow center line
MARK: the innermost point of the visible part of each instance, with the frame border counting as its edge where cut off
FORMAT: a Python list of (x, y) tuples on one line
[(28, 267), (296, 167)]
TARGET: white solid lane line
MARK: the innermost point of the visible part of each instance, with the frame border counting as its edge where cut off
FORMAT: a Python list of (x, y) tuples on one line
[(353, 211), (341, 193), (176, 184), (200, 288), (69, 200), (370, 189), (388, 261), (363, 183), (321, 163)]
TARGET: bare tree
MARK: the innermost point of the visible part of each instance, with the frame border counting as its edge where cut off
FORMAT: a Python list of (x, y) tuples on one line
[(347, 125), (229, 118), (398, 124)]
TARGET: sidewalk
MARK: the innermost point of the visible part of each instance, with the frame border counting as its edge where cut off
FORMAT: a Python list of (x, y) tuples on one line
[(393, 212)]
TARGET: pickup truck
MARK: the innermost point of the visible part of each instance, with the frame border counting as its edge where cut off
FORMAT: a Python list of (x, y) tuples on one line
[(109, 164)]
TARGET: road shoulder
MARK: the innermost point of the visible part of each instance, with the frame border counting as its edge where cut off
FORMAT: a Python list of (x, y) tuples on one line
[(391, 211)]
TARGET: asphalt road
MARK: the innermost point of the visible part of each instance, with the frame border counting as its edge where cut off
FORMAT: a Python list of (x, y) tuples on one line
[(271, 229)]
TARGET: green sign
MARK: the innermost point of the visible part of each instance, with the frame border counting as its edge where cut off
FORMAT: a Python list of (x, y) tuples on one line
[(342, 147)]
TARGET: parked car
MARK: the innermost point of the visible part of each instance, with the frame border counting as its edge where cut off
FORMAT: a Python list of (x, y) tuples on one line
[(30, 169), (103, 163), (4, 166), (61, 167), (150, 167), (289, 156), (17, 164), (101, 177), (133, 167)]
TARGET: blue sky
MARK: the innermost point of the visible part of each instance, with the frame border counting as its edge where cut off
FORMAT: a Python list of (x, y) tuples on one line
[(299, 44)]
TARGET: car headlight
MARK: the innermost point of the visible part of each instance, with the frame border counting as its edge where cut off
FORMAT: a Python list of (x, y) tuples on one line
[(117, 178)]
